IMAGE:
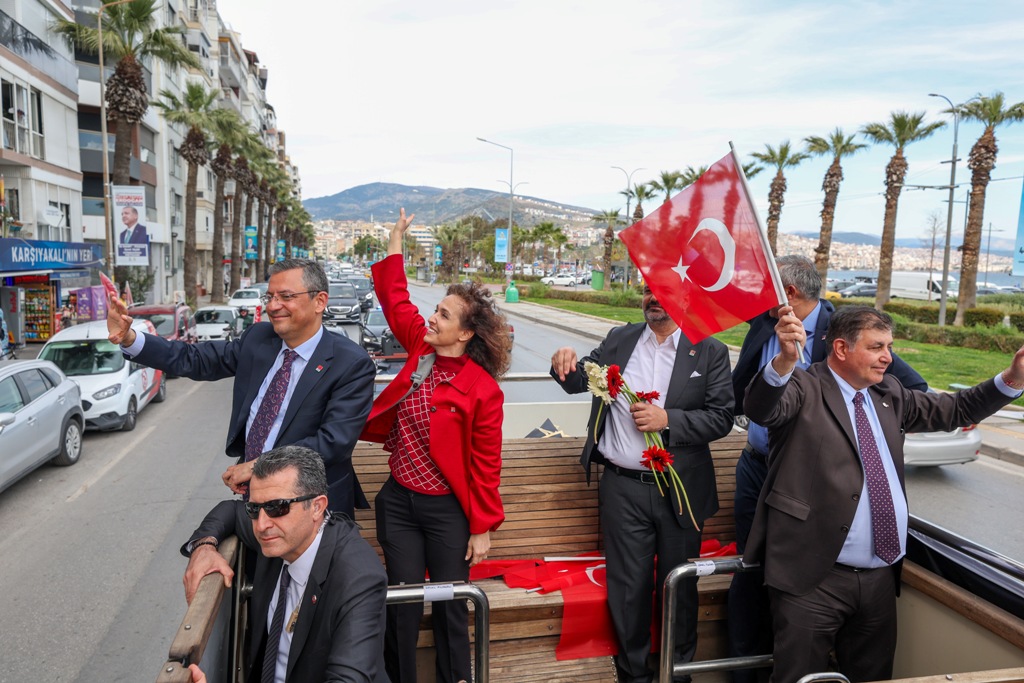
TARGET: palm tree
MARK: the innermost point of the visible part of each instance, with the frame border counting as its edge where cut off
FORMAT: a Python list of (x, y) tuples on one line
[(130, 35), (900, 130), (196, 110), (611, 219), (691, 175), (838, 145), (781, 157), (991, 111), (668, 182)]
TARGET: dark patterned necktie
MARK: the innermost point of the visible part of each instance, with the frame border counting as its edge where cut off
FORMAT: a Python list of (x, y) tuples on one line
[(276, 626), (269, 408), (883, 516)]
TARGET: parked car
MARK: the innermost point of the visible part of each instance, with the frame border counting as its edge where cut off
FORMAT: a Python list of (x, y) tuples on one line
[(859, 289), (563, 280), (342, 303), (942, 448), (36, 397), (260, 286), (373, 329), (114, 389), (215, 322), (171, 321), (247, 298)]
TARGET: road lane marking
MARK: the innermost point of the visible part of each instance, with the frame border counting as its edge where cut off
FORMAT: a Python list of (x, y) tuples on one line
[(130, 448), (1001, 465)]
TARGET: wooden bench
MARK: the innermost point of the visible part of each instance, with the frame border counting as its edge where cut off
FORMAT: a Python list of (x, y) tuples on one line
[(550, 510)]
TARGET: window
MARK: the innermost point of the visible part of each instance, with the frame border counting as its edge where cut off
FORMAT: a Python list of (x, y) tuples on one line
[(22, 114), (13, 203), (10, 397), (35, 384)]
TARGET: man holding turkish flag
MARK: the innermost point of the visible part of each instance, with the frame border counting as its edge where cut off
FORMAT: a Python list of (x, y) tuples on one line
[(704, 255)]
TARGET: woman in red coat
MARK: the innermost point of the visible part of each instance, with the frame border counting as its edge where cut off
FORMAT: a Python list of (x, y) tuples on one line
[(441, 422)]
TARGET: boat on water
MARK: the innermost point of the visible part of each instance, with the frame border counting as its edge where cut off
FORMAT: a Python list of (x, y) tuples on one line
[(961, 608)]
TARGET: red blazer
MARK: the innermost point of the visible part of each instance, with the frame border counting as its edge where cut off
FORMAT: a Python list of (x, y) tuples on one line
[(465, 415)]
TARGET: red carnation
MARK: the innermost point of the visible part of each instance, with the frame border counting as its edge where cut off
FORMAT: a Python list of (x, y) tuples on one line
[(615, 381)]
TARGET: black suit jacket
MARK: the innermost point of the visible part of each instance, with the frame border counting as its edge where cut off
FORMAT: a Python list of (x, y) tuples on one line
[(815, 474), (327, 410), (135, 235), (762, 328), (339, 635), (699, 410)]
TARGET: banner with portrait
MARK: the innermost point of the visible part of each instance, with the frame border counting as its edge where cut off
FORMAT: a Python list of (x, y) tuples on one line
[(130, 235)]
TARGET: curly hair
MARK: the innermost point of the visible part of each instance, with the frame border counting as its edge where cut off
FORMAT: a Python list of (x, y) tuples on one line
[(490, 346)]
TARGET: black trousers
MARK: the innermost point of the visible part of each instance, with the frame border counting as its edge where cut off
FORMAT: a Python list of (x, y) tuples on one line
[(421, 534), (641, 531), (854, 612), (750, 623)]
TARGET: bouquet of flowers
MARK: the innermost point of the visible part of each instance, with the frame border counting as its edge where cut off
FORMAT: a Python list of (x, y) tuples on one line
[(605, 382)]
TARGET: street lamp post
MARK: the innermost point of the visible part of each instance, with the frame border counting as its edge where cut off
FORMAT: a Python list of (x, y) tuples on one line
[(511, 187), (629, 184), (512, 194), (108, 223)]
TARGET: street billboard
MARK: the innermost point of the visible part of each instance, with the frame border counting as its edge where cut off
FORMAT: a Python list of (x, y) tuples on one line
[(1018, 251), (250, 243), (501, 245), (131, 235)]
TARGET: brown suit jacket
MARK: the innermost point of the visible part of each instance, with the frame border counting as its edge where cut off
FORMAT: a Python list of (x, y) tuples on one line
[(815, 474)]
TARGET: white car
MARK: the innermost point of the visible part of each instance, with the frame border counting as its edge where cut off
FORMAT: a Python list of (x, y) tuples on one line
[(248, 298), (564, 280), (114, 389), (215, 322)]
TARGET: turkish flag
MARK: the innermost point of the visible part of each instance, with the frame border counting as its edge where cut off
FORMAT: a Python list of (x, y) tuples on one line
[(704, 256)]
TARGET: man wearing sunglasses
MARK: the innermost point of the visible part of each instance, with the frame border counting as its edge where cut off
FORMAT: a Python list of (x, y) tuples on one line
[(331, 623), (295, 383)]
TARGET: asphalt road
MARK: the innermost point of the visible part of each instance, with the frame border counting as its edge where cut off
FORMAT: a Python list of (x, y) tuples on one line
[(89, 554)]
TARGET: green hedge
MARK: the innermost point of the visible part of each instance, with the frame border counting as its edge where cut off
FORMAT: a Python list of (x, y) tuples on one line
[(983, 338)]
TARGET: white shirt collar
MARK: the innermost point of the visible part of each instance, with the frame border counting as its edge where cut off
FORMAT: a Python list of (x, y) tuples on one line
[(648, 337), (306, 348), (303, 565)]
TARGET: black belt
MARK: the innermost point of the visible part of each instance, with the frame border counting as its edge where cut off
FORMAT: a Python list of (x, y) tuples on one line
[(848, 568), (642, 476), (755, 455)]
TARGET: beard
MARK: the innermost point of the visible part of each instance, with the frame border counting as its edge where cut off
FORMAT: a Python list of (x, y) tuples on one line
[(655, 316)]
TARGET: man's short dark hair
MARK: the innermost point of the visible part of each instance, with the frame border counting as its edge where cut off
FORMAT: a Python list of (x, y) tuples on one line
[(849, 321), (800, 272), (312, 477), (314, 279)]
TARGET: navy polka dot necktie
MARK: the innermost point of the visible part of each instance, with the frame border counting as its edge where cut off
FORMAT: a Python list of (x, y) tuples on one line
[(883, 516)]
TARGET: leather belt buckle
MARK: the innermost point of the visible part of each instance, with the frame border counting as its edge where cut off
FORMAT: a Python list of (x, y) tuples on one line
[(647, 478)]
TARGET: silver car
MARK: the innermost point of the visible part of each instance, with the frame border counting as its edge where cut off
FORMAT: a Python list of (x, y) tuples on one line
[(41, 418)]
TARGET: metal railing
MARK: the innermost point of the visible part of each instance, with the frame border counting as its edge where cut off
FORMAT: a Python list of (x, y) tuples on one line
[(668, 669), (438, 592)]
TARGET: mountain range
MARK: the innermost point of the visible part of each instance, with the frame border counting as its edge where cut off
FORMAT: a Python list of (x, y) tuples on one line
[(433, 205)]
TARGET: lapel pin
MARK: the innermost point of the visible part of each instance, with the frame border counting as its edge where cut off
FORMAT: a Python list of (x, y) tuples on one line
[(884, 404), (319, 368), (314, 599), (692, 353)]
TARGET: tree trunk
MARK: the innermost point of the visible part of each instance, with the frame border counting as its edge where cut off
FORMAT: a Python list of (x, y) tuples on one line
[(267, 237), (120, 173), (236, 238), (217, 286), (261, 226), (190, 235), (833, 177), (609, 240), (895, 172), (776, 197), (981, 161)]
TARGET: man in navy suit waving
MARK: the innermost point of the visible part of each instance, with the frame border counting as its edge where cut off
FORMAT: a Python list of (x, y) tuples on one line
[(295, 382)]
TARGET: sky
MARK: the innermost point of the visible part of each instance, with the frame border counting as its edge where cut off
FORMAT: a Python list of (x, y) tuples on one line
[(399, 92)]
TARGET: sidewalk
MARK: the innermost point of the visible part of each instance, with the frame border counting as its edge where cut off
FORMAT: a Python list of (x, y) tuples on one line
[(1003, 433)]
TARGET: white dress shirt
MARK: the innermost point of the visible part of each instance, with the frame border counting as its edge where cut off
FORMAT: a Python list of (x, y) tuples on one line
[(299, 571)]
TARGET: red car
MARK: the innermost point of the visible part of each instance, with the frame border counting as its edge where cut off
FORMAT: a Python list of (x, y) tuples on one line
[(171, 322)]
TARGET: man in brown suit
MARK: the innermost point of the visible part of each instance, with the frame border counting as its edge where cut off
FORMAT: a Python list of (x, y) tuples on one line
[(831, 521)]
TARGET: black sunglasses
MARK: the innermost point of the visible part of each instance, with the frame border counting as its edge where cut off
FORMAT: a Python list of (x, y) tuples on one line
[(275, 508)]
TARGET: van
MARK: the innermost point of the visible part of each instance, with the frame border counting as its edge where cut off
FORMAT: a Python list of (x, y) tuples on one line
[(921, 285), (114, 389)]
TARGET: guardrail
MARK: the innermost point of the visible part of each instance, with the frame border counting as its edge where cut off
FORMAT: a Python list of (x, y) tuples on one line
[(668, 669), (438, 592), (201, 617)]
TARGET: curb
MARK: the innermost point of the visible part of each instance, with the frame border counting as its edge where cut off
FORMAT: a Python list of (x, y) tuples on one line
[(561, 326), (1004, 454)]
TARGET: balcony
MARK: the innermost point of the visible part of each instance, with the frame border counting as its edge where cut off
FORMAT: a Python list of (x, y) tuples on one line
[(229, 100), (230, 70), (36, 52)]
